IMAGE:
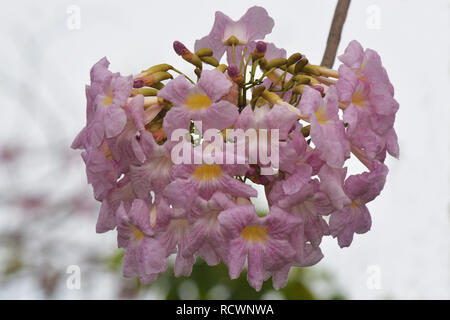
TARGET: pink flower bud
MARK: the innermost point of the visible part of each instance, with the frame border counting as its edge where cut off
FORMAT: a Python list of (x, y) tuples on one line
[(261, 47), (179, 48)]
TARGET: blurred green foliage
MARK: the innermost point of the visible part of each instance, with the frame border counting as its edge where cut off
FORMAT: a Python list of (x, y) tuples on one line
[(208, 282)]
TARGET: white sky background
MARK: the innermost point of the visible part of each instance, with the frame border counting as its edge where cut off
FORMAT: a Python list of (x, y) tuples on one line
[(44, 66)]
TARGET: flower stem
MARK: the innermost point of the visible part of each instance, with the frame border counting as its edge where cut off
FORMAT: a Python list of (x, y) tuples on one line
[(334, 36), (179, 72), (243, 57)]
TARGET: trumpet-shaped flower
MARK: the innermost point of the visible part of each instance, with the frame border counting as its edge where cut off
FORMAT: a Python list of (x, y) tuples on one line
[(206, 237), (255, 24), (290, 131), (263, 242), (124, 193), (106, 97), (174, 229), (101, 170), (134, 142), (144, 256), (310, 204), (199, 102), (368, 96), (327, 131), (206, 178), (355, 217), (155, 173)]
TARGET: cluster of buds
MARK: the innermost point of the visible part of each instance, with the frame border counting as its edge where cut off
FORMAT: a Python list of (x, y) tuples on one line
[(166, 160)]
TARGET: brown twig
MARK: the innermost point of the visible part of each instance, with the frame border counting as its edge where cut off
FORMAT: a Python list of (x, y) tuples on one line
[(334, 37)]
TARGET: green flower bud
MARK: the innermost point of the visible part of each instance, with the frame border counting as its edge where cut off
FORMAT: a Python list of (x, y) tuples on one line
[(195, 60), (210, 60), (204, 52), (300, 65), (276, 63), (293, 59), (263, 63), (161, 75), (157, 68), (302, 79), (311, 69)]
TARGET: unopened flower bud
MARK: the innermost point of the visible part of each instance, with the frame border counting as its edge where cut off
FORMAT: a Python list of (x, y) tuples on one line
[(204, 52), (261, 47), (300, 65), (151, 79), (210, 60), (157, 68), (311, 69), (271, 97), (260, 50), (187, 55), (179, 48), (234, 74), (328, 72), (302, 79), (263, 63), (276, 63), (293, 59), (138, 83)]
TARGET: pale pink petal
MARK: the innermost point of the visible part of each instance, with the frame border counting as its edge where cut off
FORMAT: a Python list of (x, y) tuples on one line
[(176, 90)]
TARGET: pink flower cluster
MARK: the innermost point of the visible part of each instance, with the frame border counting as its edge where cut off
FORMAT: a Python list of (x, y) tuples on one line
[(160, 208)]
